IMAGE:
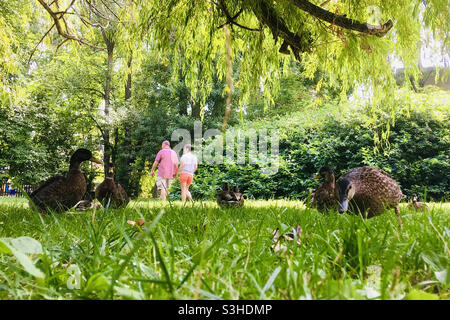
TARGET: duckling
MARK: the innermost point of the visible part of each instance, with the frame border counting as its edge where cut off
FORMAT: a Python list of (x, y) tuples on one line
[(370, 190), (108, 189), (418, 206), (324, 197), (225, 198), (60, 193)]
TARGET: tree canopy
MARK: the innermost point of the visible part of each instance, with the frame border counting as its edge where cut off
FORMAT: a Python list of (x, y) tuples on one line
[(351, 41)]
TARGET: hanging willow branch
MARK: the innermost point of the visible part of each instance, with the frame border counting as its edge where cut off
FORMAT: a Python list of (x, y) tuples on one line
[(229, 78), (341, 20), (57, 16), (301, 41)]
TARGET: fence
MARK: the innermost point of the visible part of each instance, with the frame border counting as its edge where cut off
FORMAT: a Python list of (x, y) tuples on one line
[(9, 190)]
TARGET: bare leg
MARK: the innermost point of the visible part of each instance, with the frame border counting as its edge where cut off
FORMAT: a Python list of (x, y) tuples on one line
[(189, 194), (183, 191), (163, 194)]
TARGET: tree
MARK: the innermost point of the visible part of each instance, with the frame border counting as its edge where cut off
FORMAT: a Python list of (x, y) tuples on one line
[(350, 41)]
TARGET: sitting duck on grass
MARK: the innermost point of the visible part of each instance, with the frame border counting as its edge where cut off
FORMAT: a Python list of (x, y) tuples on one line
[(60, 193), (368, 190), (110, 192), (227, 198), (324, 198)]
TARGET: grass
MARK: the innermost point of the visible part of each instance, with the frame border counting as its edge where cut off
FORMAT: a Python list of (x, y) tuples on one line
[(203, 252)]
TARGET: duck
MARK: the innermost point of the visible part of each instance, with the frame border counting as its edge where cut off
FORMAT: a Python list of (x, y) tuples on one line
[(111, 191), (238, 196), (324, 197), (418, 206), (227, 198), (370, 191), (60, 193)]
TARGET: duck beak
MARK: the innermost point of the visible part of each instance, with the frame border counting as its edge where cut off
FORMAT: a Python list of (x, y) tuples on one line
[(317, 176), (343, 205), (95, 160)]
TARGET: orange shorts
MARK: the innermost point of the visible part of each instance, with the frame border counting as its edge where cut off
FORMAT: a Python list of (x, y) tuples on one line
[(186, 178)]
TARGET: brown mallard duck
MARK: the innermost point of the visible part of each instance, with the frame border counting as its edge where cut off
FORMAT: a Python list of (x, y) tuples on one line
[(238, 197), (416, 205), (109, 191), (324, 197), (226, 197), (60, 193), (369, 190)]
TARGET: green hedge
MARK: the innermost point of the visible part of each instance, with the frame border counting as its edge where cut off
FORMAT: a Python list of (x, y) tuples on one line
[(416, 153)]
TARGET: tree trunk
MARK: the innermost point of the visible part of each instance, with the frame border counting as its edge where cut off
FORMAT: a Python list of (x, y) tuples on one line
[(106, 144), (127, 148), (195, 110)]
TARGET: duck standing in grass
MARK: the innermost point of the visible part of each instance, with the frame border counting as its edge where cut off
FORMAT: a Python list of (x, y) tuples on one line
[(324, 197), (109, 191), (60, 193), (369, 190)]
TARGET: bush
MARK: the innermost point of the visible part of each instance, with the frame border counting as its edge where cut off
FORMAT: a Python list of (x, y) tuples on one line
[(415, 153)]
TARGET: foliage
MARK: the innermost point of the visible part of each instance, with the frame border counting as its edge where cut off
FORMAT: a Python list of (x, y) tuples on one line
[(416, 154), (345, 56)]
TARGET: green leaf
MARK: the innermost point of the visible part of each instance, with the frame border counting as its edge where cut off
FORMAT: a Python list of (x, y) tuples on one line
[(97, 282), (129, 293), (20, 247)]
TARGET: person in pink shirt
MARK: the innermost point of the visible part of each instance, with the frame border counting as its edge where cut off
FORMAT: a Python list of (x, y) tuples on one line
[(167, 162)]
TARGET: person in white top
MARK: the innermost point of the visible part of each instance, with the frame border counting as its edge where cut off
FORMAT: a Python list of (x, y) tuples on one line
[(188, 165)]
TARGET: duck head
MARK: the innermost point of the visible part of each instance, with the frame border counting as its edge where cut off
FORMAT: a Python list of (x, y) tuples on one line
[(82, 155), (414, 197), (345, 192), (225, 187), (325, 172), (110, 173)]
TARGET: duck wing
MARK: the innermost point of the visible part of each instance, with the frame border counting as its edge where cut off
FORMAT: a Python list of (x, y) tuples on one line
[(120, 196), (45, 184), (104, 190), (50, 195)]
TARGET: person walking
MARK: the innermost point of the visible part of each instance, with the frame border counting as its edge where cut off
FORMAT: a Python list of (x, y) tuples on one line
[(188, 165), (167, 162)]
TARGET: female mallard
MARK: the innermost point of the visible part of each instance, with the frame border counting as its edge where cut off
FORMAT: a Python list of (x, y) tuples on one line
[(239, 198), (224, 198), (324, 199), (109, 191), (60, 193), (227, 198), (370, 190)]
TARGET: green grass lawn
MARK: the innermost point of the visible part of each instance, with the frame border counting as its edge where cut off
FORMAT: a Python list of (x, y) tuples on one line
[(203, 252)]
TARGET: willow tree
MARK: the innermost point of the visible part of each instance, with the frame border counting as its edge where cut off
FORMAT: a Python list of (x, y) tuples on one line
[(104, 26), (350, 41)]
